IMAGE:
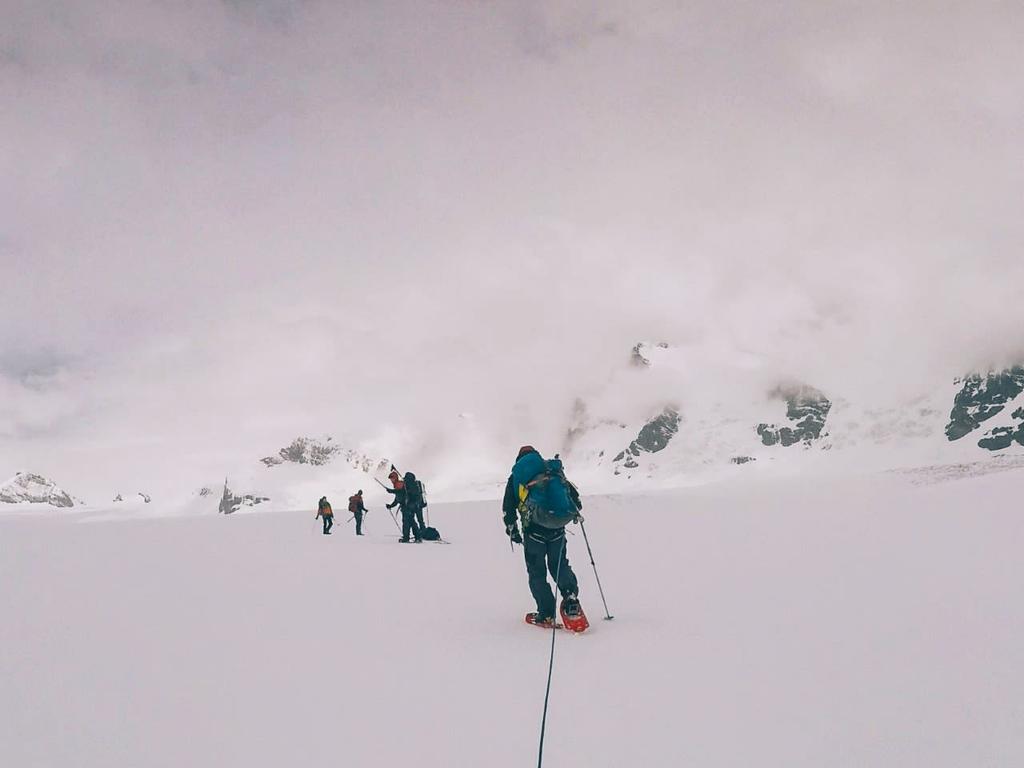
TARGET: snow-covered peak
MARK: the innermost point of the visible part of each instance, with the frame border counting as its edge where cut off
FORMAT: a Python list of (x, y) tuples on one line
[(320, 451), (28, 488)]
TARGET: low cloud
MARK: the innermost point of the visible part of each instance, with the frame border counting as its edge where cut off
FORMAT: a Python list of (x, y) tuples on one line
[(237, 223)]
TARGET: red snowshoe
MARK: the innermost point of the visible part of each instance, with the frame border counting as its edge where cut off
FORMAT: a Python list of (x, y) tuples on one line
[(545, 623), (573, 617)]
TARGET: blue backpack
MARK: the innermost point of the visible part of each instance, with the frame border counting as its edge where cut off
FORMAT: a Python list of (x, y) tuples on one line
[(543, 491)]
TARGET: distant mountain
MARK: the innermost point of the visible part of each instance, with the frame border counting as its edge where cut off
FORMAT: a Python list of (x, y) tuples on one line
[(320, 451), (665, 415), (26, 487), (724, 410)]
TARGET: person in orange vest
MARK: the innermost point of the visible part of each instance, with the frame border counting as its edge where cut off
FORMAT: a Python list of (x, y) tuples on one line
[(396, 479), (324, 510), (356, 507)]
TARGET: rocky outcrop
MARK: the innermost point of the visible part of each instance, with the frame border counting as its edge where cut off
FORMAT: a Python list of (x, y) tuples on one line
[(145, 498), (641, 355), (26, 487), (230, 503), (304, 450), (806, 409), (1000, 438), (982, 397), (654, 436)]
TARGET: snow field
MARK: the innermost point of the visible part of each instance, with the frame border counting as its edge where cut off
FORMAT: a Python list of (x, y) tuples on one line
[(776, 622)]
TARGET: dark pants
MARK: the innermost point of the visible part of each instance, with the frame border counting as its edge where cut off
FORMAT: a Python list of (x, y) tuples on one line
[(359, 523), (545, 551), (419, 518), (328, 522), (409, 523)]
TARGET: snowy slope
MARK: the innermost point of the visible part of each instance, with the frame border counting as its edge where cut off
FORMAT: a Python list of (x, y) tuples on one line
[(866, 620)]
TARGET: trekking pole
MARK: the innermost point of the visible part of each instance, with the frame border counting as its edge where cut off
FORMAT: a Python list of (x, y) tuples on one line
[(607, 615), (393, 518)]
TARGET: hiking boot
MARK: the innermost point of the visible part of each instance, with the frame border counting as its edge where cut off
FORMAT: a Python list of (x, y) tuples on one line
[(571, 606), (417, 541), (540, 620), (403, 540)]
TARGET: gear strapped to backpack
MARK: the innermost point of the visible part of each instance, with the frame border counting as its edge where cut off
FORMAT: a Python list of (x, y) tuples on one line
[(543, 491)]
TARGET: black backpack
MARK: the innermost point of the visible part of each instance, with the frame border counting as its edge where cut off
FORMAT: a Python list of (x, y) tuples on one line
[(414, 491), (430, 534)]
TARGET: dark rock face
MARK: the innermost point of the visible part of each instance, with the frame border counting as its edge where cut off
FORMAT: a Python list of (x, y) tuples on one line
[(145, 497), (34, 489), (654, 436), (304, 450), (230, 503), (982, 397), (807, 409), (1003, 437)]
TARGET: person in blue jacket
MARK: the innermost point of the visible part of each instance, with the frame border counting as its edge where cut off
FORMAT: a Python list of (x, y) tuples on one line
[(542, 537)]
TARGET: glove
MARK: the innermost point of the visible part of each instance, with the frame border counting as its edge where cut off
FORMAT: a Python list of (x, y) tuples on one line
[(513, 533), (578, 519)]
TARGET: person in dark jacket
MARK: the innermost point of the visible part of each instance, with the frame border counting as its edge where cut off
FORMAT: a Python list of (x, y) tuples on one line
[(544, 545), (356, 507), (416, 497), (324, 510), (409, 499)]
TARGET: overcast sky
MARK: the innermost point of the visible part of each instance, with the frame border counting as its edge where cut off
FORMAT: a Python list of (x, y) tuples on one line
[(234, 221)]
